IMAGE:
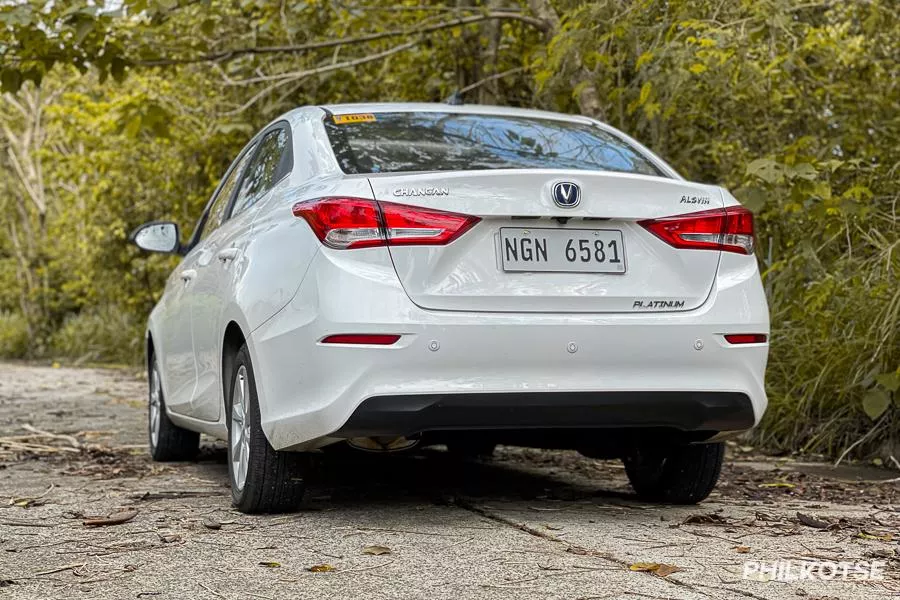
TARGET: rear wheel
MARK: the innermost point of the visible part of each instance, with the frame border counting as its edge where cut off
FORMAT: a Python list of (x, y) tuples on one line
[(168, 441), (262, 479), (675, 475)]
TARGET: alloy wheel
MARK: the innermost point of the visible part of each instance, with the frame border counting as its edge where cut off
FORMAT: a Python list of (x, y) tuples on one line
[(240, 429), (155, 412)]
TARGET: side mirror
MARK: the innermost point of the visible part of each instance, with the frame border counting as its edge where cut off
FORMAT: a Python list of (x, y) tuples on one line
[(158, 236)]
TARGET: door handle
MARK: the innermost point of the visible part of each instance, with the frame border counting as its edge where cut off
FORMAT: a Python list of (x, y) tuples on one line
[(188, 274), (228, 254)]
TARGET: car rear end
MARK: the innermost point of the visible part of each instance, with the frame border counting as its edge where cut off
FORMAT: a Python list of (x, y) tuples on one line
[(528, 277)]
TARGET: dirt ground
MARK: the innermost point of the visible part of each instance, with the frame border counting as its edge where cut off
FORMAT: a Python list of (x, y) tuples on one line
[(529, 524)]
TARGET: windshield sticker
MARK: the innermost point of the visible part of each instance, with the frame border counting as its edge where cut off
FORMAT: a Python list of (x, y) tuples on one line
[(357, 118)]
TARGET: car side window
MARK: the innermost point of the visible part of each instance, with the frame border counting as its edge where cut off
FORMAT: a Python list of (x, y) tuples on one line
[(272, 162), (216, 215)]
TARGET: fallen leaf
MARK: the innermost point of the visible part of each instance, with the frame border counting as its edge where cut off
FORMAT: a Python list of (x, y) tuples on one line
[(320, 569), (376, 550), (881, 537), (26, 502), (742, 549), (811, 521), (270, 564), (777, 484), (665, 570), (659, 569), (708, 519), (113, 519)]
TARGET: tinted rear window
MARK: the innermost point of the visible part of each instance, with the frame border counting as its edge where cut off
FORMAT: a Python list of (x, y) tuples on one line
[(427, 141)]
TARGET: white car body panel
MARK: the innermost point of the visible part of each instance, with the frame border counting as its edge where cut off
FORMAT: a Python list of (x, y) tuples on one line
[(465, 275), (174, 334), (493, 332), (487, 352)]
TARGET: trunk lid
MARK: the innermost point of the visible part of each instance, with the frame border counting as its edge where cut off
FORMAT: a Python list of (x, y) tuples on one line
[(486, 268)]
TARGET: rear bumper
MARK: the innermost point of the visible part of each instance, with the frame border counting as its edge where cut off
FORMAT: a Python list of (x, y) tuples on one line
[(683, 411), (500, 370)]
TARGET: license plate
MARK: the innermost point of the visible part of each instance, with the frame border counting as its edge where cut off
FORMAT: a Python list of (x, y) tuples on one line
[(562, 250)]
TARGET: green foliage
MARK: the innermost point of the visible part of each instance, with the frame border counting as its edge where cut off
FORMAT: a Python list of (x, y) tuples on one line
[(13, 335), (106, 334), (793, 106)]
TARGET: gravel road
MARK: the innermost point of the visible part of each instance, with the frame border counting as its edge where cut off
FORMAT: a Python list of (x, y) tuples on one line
[(529, 524)]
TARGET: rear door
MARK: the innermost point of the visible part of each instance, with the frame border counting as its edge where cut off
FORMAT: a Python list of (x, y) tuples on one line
[(223, 260), (532, 253), (206, 300)]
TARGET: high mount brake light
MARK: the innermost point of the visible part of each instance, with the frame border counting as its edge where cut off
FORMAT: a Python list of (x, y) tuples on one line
[(346, 223), (729, 230)]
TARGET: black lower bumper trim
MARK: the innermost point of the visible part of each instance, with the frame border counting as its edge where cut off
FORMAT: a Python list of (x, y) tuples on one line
[(684, 411)]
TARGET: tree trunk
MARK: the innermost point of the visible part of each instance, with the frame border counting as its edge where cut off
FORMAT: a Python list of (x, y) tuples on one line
[(588, 97), (24, 136)]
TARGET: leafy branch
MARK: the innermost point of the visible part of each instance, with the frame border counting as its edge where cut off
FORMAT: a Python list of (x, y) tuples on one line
[(227, 55)]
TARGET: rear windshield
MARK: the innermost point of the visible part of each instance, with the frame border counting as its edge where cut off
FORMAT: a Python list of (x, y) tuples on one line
[(427, 141)]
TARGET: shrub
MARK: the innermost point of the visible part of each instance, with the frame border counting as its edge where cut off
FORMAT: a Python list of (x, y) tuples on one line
[(108, 334), (13, 335)]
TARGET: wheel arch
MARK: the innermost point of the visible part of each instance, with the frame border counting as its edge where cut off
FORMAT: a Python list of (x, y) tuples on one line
[(149, 349), (152, 351), (232, 341)]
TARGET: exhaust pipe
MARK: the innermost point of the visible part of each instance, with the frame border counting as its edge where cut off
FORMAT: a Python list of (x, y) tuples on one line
[(384, 443)]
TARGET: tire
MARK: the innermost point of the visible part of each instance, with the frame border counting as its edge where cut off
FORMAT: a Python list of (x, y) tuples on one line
[(471, 450), (262, 480), (676, 475), (168, 441)]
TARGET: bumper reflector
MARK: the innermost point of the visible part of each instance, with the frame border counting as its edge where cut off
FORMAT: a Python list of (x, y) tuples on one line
[(371, 339), (746, 338)]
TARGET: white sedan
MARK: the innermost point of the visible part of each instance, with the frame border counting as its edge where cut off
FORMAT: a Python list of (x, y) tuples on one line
[(397, 275)]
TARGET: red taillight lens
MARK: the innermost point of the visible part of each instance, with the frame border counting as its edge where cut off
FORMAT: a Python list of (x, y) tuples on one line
[(345, 223), (728, 230), (372, 339), (745, 338), (411, 226)]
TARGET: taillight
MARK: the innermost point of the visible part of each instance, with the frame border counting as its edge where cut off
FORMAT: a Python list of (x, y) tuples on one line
[(411, 226), (345, 223), (729, 230)]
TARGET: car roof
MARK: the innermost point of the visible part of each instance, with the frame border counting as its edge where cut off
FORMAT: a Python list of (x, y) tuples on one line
[(480, 109)]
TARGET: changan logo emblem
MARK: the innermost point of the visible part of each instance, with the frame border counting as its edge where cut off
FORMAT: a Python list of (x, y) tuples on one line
[(566, 194)]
